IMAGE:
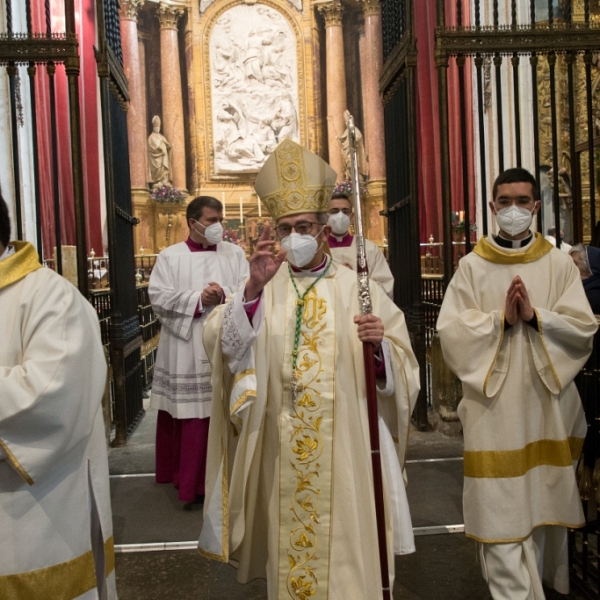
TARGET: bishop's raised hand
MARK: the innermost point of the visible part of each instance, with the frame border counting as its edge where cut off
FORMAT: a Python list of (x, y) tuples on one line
[(263, 265)]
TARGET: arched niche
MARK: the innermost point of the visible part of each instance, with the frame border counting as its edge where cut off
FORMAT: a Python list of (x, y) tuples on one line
[(254, 75)]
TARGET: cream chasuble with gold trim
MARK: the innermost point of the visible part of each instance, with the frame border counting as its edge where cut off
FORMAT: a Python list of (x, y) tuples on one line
[(54, 485), (289, 486), (521, 412)]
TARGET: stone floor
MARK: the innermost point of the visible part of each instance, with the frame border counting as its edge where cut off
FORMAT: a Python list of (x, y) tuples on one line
[(155, 539)]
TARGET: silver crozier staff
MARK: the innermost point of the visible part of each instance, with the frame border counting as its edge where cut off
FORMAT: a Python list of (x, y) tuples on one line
[(366, 308)]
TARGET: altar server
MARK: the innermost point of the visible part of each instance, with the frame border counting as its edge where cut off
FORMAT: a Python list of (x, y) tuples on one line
[(189, 279), (55, 518), (342, 244), (289, 481), (516, 328)]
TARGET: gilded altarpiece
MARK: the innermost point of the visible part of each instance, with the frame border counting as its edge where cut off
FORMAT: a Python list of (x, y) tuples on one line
[(256, 81), (568, 163)]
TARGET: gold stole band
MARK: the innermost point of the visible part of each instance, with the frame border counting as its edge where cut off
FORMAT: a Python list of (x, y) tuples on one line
[(306, 450)]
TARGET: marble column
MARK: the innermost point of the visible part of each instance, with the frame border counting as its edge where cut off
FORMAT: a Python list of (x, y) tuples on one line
[(172, 92), (142, 37), (136, 114), (371, 64), (336, 81)]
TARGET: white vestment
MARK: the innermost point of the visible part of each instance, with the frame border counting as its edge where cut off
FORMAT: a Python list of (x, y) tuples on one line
[(379, 270), (55, 516), (289, 486), (181, 384), (521, 412)]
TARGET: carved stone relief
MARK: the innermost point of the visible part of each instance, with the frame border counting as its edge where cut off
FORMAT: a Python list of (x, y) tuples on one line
[(204, 4), (254, 86)]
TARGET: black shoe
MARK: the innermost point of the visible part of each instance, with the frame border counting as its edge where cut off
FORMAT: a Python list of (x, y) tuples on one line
[(195, 504)]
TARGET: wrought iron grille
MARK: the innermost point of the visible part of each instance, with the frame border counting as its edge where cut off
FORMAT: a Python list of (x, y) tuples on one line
[(532, 67), (398, 89), (394, 15)]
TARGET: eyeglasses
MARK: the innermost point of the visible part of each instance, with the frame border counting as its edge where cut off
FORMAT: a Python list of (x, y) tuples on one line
[(335, 211), (302, 227)]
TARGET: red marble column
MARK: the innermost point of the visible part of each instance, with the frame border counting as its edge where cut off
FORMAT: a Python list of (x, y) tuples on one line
[(136, 117), (336, 82), (142, 54), (172, 93), (372, 105)]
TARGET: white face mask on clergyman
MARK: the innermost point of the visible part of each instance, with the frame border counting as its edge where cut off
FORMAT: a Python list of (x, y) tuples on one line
[(514, 219), (301, 249), (339, 223), (213, 233)]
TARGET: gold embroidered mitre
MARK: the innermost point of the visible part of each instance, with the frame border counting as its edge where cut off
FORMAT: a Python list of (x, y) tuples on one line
[(294, 180)]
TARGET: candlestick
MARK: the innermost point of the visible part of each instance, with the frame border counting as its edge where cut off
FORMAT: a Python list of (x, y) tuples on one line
[(259, 208), (241, 210), (223, 203)]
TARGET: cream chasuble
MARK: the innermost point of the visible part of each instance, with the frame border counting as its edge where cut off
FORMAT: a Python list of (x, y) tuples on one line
[(521, 412), (54, 486), (289, 486), (379, 270), (181, 384)]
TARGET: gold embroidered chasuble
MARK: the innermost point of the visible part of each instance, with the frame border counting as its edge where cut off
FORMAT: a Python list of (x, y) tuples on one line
[(289, 486), (521, 412)]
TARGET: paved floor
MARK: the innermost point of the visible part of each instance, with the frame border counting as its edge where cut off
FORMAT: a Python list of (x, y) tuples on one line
[(155, 539)]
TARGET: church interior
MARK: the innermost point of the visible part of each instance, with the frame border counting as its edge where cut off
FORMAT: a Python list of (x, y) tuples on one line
[(115, 114)]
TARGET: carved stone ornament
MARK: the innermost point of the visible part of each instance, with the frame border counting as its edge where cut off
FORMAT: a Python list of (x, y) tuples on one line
[(169, 15), (371, 7), (130, 8), (204, 4), (331, 11)]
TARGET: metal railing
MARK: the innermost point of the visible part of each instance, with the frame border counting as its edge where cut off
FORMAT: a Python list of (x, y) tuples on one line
[(138, 370)]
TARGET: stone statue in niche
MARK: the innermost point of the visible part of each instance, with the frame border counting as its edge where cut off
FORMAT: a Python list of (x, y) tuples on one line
[(361, 155), (159, 157), (254, 86)]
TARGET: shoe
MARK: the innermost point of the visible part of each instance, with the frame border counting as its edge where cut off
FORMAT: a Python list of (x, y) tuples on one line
[(195, 504)]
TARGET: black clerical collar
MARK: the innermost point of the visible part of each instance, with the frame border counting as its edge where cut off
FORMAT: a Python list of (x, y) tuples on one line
[(504, 243)]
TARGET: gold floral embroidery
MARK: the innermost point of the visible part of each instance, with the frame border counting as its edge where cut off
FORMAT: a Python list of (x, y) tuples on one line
[(308, 535)]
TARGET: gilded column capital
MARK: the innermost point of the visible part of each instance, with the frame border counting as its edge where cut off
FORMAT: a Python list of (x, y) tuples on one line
[(331, 10), (130, 8), (169, 15), (371, 7)]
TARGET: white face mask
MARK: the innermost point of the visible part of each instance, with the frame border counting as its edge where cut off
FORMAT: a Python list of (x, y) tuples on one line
[(514, 219), (213, 233), (301, 249), (339, 223)]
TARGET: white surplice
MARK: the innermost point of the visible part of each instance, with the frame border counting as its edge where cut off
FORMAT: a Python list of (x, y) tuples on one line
[(55, 514), (181, 384), (379, 270), (289, 486)]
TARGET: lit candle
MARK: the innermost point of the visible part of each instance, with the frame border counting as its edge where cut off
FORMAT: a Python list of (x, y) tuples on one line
[(241, 210), (259, 208), (223, 203)]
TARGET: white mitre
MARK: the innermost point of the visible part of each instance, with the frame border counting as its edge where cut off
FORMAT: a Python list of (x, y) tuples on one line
[(294, 180)]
